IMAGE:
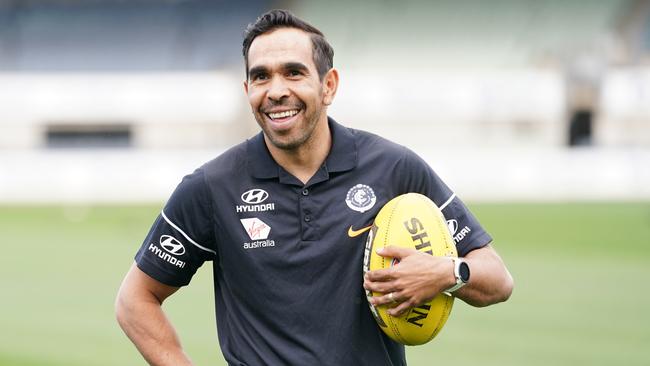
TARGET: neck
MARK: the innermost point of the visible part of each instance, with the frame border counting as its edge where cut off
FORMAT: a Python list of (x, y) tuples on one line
[(304, 161)]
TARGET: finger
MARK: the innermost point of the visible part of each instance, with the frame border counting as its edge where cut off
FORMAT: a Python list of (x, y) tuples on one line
[(395, 252), (400, 309), (385, 274), (380, 287), (390, 299)]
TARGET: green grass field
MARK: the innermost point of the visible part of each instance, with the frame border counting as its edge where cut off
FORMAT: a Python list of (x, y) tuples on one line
[(581, 295)]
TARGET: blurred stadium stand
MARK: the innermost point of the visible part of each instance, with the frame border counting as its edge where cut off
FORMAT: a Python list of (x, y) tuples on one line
[(108, 100), (118, 35)]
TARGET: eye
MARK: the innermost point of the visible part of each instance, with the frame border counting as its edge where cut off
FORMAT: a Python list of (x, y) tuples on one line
[(294, 73), (259, 77)]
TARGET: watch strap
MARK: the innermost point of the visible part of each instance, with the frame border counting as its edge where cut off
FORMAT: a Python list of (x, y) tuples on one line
[(459, 280)]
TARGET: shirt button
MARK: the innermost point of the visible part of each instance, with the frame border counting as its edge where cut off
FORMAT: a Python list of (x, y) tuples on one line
[(307, 218), (305, 192)]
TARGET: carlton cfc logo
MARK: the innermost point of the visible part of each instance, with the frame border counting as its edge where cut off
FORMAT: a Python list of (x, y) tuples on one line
[(361, 198), (254, 196), (170, 244)]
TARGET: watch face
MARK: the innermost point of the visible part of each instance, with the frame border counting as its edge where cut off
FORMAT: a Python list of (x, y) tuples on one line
[(463, 270)]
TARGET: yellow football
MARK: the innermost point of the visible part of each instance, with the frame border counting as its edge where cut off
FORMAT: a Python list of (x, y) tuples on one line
[(413, 221)]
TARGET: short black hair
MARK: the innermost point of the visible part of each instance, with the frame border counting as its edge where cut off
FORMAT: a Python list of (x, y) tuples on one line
[(322, 51)]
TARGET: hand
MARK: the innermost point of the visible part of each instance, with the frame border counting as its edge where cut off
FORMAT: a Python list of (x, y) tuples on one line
[(416, 279)]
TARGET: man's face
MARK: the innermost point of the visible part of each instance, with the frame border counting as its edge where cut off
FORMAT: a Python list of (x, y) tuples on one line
[(284, 91)]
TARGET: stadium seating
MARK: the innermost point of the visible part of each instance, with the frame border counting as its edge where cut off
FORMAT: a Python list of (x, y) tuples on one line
[(496, 86)]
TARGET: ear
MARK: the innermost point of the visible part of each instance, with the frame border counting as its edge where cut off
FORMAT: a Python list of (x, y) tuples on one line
[(330, 85), (246, 87)]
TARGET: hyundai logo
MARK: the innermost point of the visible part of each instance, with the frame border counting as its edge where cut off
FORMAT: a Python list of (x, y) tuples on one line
[(170, 244), (254, 196), (453, 226)]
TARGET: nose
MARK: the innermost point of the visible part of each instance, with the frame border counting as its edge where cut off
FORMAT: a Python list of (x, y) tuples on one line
[(277, 89)]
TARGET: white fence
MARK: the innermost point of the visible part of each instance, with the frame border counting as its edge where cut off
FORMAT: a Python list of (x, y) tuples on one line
[(515, 174)]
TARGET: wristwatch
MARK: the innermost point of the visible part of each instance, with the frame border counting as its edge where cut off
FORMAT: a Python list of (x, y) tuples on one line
[(461, 272)]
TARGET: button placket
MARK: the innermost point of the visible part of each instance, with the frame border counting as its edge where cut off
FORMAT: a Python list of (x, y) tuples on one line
[(308, 225)]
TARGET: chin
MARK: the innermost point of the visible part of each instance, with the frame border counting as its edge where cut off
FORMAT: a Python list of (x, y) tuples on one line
[(287, 142), (285, 145)]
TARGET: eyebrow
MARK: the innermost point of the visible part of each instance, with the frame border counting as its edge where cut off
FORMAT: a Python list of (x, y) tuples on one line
[(295, 66), (257, 70)]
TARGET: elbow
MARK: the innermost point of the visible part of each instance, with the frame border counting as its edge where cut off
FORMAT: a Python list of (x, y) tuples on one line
[(501, 292), (121, 309), (506, 288)]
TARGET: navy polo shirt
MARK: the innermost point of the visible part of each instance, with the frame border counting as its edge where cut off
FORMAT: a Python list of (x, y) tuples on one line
[(287, 257)]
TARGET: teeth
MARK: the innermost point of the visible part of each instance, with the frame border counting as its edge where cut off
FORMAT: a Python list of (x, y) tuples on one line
[(284, 114)]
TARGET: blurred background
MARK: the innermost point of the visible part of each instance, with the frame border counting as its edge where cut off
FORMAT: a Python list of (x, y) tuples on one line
[(537, 113)]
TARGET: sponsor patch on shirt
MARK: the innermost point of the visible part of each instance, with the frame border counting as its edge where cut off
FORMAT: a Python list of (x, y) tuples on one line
[(254, 199), (258, 231), (171, 247), (453, 230)]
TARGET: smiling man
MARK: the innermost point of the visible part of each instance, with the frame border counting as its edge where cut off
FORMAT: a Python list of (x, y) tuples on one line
[(282, 217)]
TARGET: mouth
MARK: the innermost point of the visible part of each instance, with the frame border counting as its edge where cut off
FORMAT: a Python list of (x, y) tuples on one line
[(282, 119), (283, 115)]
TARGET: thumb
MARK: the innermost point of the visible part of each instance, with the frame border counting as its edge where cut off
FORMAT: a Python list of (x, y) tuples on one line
[(395, 251)]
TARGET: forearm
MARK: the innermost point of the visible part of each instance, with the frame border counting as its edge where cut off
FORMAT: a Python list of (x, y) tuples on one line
[(490, 282), (151, 332), (139, 313)]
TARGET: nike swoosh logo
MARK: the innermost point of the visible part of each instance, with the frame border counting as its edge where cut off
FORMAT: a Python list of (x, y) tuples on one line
[(354, 233)]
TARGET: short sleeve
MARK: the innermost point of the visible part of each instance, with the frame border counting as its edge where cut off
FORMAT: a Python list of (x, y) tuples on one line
[(182, 237), (417, 176)]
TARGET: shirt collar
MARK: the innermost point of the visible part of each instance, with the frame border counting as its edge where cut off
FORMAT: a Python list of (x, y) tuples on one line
[(342, 156)]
